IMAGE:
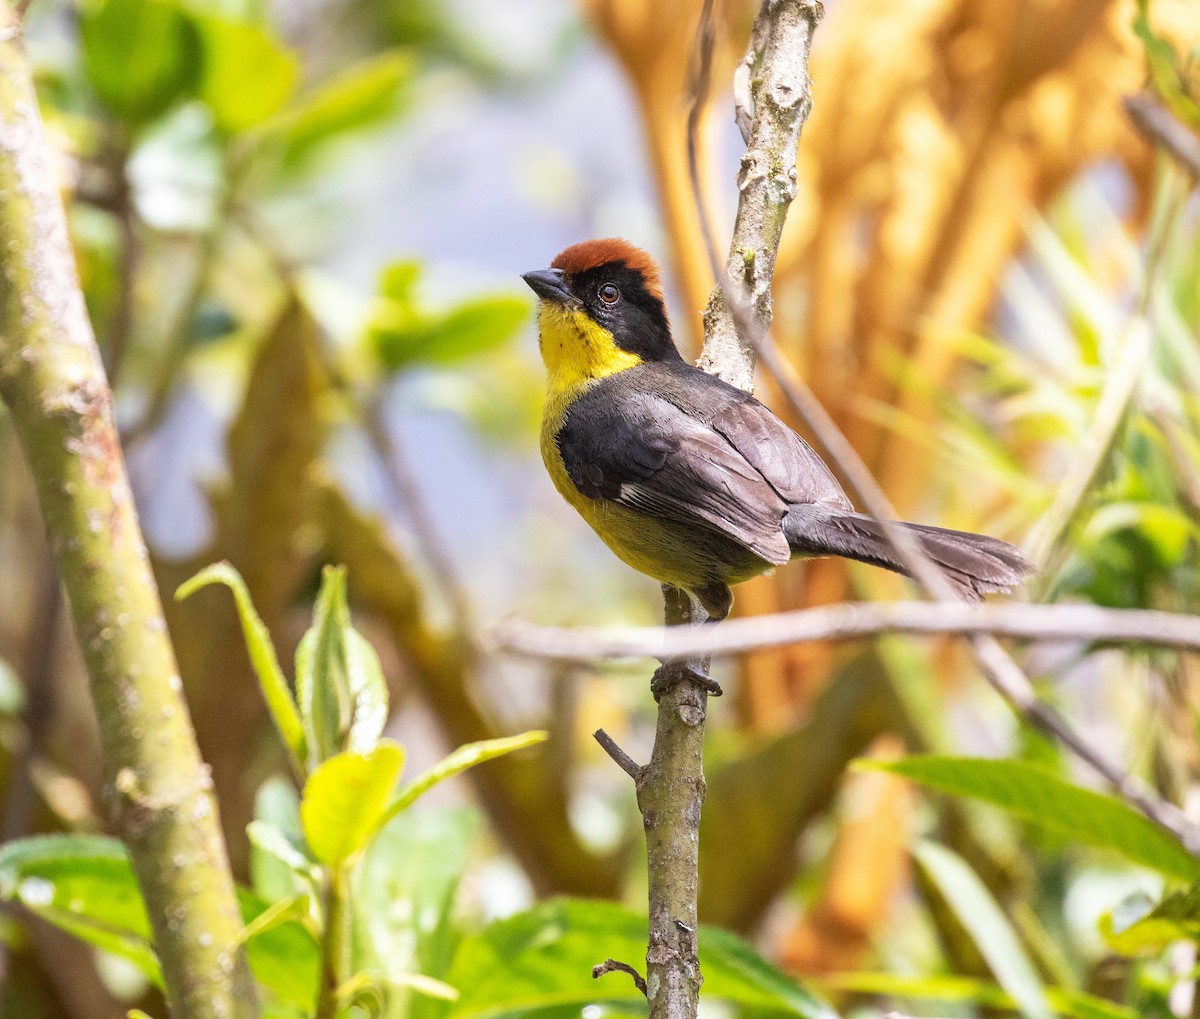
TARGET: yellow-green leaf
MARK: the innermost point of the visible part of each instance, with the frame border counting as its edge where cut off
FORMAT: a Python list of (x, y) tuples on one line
[(345, 799), (262, 654), (247, 74), (463, 758)]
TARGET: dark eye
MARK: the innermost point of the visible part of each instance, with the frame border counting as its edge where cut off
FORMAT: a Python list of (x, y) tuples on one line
[(609, 293)]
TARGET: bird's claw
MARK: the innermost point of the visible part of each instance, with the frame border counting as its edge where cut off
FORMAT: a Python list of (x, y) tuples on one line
[(670, 673)]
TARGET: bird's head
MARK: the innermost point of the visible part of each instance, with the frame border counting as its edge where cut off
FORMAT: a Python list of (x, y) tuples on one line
[(601, 311)]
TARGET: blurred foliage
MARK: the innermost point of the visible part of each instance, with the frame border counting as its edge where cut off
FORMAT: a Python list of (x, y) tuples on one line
[(957, 277)]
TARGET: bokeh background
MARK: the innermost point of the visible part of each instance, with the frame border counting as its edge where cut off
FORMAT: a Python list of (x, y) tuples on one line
[(300, 229)]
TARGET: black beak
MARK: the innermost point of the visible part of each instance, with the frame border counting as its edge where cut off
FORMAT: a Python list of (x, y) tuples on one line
[(549, 285)]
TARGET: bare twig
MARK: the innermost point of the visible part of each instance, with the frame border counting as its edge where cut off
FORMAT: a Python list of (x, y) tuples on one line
[(612, 966), (179, 334), (1161, 127), (781, 100), (852, 621), (626, 763)]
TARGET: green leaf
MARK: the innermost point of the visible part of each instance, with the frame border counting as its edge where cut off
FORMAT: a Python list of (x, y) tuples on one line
[(141, 56), (972, 992), (361, 982), (1167, 529), (1165, 69), (985, 922), (368, 693), (277, 844), (345, 798), (247, 74), (418, 859), (282, 952), (322, 687), (398, 281), (1037, 796), (262, 655), (339, 681), (402, 337), (85, 885), (466, 756), (1142, 927), (542, 959), (365, 95), (279, 861), (295, 908)]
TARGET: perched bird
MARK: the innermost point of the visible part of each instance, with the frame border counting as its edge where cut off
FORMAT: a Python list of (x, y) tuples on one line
[(685, 477)]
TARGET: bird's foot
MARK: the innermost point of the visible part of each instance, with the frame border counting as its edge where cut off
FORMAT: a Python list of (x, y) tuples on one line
[(670, 673)]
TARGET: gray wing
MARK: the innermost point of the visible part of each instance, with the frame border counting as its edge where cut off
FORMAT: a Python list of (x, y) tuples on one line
[(783, 458), (643, 452), (788, 463)]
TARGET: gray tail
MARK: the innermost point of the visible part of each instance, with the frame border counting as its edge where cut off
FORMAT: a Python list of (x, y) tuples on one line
[(973, 563)]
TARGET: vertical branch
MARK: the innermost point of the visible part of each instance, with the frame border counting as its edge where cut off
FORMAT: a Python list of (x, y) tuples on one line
[(52, 380), (670, 793), (771, 90), (773, 79)]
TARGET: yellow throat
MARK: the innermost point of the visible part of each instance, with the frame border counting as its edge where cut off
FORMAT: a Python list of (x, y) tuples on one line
[(576, 351)]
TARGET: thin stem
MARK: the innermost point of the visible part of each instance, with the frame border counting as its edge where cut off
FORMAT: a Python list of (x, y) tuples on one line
[(1161, 127), (334, 944), (120, 324)]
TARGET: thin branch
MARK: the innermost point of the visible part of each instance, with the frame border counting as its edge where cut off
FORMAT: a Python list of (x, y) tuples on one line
[(1161, 127), (52, 380), (781, 99), (670, 789), (853, 621), (743, 76), (626, 763), (612, 966)]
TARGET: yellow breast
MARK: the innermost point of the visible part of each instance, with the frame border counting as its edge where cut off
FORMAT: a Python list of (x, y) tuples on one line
[(578, 354)]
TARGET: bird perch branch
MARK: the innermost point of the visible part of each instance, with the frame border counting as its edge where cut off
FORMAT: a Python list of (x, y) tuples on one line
[(852, 621), (54, 385), (670, 788)]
